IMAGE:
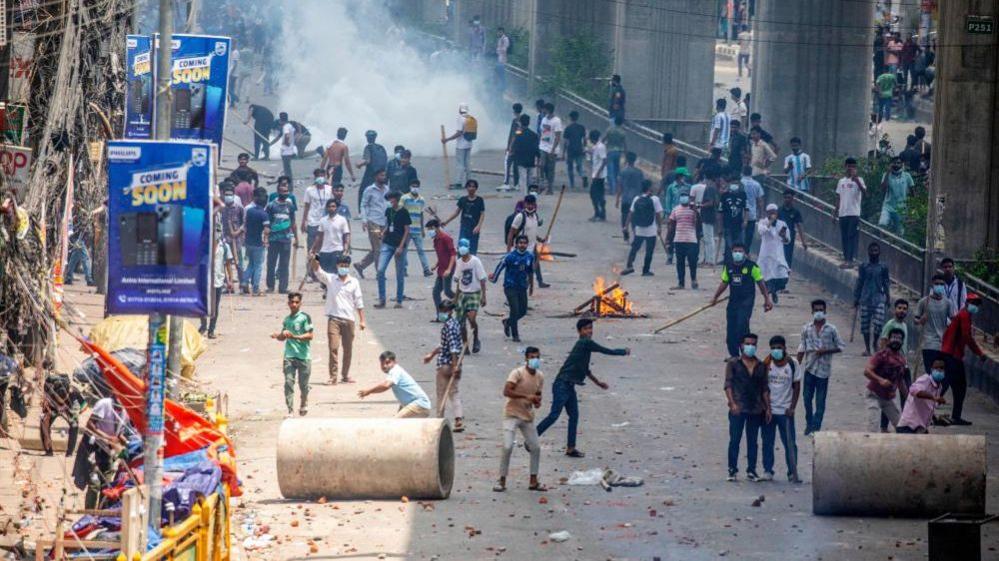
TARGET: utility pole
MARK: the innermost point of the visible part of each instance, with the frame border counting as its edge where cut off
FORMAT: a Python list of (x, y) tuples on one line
[(155, 386), (532, 45)]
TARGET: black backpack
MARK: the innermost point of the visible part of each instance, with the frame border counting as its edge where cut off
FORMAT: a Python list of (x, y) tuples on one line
[(645, 212)]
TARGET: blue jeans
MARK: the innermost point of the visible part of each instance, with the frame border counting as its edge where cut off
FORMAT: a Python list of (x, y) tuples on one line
[(884, 108), (750, 423), (400, 272), (254, 266), (417, 240), (574, 164), (783, 424), (815, 389), (613, 167), (563, 396), (78, 255)]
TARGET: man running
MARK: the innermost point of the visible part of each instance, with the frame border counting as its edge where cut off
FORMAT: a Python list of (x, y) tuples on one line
[(471, 277), (518, 282), (522, 391)]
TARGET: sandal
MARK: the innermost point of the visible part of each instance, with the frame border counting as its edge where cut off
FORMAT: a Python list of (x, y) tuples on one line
[(348, 380), (499, 488), (575, 454), (539, 487), (458, 426)]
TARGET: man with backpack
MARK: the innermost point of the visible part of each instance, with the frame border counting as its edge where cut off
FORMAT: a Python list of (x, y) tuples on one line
[(526, 222), (630, 182), (646, 216), (466, 131)]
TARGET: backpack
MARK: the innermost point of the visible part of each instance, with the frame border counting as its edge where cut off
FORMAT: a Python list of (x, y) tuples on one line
[(508, 225), (644, 214), (471, 129)]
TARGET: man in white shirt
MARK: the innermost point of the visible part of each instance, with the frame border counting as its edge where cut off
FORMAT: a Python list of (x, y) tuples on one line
[(850, 191), (471, 278), (316, 196), (465, 135), (738, 110), (598, 176), (332, 238), (720, 126), (413, 401), (343, 299), (288, 149), (548, 144)]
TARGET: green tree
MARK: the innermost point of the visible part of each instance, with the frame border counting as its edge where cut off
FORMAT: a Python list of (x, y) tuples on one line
[(580, 63)]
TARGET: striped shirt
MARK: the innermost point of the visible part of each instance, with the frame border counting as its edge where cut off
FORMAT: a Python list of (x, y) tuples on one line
[(812, 340), (798, 165), (721, 122), (685, 219)]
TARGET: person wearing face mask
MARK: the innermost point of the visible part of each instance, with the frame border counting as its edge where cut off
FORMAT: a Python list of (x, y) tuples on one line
[(257, 233), (518, 282), (234, 230), (332, 240), (470, 276), (784, 379), (739, 275), (448, 355), (283, 236), (527, 222), (735, 215), (872, 295), (414, 204), (956, 339), (933, 313), (885, 373), (522, 391), (896, 184), (316, 196), (344, 310), (774, 235), (401, 173), (748, 394), (446, 257), (684, 225), (819, 341), (924, 396)]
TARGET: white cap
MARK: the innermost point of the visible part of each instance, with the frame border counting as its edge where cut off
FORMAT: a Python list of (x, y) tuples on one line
[(771, 207), (462, 108)]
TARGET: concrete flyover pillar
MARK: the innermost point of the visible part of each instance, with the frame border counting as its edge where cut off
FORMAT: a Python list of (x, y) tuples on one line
[(383, 458), (965, 158), (812, 73), (920, 475), (665, 54)]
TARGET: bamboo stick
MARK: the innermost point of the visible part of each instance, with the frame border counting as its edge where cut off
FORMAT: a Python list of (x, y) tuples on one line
[(671, 323)]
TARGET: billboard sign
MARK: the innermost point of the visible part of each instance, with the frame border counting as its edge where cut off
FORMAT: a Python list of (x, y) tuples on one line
[(140, 103)]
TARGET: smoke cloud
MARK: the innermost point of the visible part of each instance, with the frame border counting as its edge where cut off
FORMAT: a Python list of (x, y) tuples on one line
[(343, 63)]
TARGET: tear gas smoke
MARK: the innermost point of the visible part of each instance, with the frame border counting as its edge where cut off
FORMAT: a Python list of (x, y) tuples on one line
[(343, 63)]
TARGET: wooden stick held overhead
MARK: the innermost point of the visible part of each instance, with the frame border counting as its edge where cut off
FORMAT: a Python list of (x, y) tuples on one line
[(447, 160), (551, 224), (690, 315)]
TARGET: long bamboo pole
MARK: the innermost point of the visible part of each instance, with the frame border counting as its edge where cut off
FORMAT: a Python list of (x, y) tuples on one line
[(671, 323)]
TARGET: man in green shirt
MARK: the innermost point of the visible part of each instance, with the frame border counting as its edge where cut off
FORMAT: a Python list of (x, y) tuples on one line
[(617, 144), (899, 321), (885, 88), (896, 184), (296, 332)]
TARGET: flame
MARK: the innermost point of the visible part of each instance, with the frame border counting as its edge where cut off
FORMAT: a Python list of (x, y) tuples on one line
[(544, 252), (617, 297)]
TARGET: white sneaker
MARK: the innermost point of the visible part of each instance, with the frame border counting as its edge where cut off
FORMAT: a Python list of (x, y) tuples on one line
[(503, 187)]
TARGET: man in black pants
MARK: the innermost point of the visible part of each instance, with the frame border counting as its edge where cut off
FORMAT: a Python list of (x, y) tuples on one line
[(646, 214), (518, 282), (956, 339), (598, 176), (850, 191), (263, 122), (738, 276), (574, 372)]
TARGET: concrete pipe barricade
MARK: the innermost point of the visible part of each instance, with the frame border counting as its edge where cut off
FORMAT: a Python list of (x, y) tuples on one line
[(912, 475), (384, 458)]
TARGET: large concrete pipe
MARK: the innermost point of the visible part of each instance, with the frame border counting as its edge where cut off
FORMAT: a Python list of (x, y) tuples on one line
[(898, 474), (382, 458)]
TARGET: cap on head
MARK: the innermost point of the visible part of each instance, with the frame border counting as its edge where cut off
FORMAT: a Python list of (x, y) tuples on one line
[(771, 207), (463, 242)]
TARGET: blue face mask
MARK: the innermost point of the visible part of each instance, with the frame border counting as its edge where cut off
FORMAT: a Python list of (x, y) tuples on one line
[(738, 256), (749, 350), (534, 363), (818, 315), (343, 271), (939, 289), (777, 354), (462, 250), (443, 316), (684, 200), (937, 375), (432, 233), (972, 309)]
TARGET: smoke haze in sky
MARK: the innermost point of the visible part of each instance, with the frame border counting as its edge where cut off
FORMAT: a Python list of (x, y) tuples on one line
[(334, 72)]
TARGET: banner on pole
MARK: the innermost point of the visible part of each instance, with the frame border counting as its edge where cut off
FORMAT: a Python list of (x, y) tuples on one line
[(15, 161), (14, 123), (159, 227), (199, 82), (22, 58), (140, 101)]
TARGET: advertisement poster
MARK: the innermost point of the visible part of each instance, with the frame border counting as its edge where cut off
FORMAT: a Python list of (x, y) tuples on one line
[(22, 57), (14, 123), (159, 227), (139, 101), (15, 161), (200, 81)]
